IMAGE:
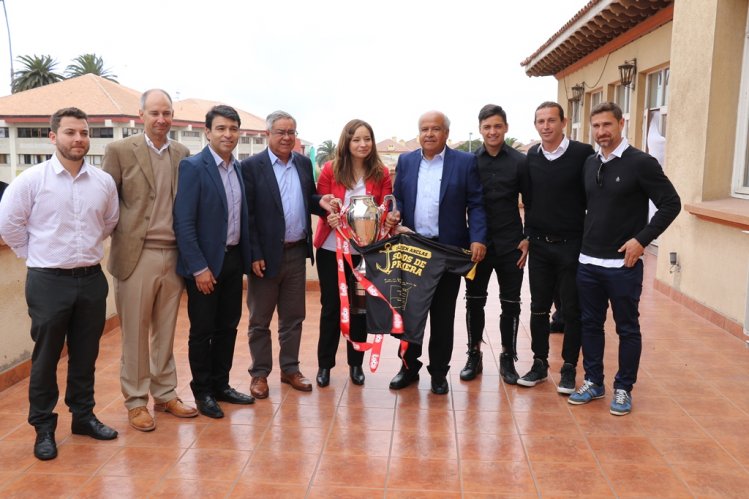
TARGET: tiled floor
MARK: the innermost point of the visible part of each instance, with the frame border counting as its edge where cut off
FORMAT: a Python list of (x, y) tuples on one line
[(687, 436)]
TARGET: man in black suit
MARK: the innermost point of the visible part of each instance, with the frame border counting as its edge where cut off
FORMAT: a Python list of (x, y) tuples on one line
[(210, 224), (281, 193)]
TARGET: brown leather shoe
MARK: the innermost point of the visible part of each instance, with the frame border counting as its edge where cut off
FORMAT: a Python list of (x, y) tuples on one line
[(297, 381), (259, 387), (141, 419), (177, 408)]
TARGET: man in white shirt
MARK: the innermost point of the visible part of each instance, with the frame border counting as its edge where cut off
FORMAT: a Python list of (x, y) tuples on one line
[(56, 215)]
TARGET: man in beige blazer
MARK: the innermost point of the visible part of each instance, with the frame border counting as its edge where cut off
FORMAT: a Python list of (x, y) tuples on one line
[(143, 261)]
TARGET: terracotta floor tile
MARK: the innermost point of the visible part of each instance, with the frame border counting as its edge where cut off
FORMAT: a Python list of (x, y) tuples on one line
[(356, 397), (423, 399), (168, 433), (496, 476), (418, 494), (625, 449), (16, 456), (488, 381), (636, 480), (683, 451), (366, 419), (306, 416), (424, 421), (559, 449), (668, 425), (499, 423), (707, 480), (326, 492), (423, 474), (294, 468), (541, 423), (115, 487), (258, 414), (142, 462), (293, 439), (11, 422), (40, 485), (601, 423), (82, 459), (344, 441), (571, 480), (417, 445), (181, 487), (244, 490), (229, 436), (490, 447), (359, 471), (213, 464)]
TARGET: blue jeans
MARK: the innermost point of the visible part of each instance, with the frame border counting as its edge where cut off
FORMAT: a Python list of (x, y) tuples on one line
[(622, 287)]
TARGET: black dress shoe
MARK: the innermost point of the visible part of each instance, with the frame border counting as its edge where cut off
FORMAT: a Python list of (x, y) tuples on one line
[(357, 375), (404, 378), (474, 365), (45, 447), (232, 396), (323, 377), (439, 385), (93, 428), (207, 406)]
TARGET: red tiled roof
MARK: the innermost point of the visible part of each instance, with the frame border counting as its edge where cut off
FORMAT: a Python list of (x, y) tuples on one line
[(193, 110), (596, 24)]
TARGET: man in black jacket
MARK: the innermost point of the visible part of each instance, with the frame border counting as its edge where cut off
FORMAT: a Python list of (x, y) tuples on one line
[(619, 181), (554, 212), (500, 170)]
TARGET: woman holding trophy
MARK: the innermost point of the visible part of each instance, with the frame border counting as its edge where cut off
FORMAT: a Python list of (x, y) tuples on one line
[(356, 170)]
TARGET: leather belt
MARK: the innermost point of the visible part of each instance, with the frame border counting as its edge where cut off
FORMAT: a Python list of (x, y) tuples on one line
[(294, 244), (550, 239), (76, 272)]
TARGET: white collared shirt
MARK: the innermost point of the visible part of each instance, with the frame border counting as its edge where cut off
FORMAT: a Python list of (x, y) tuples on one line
[(55, 220), (427, 209), (150, 144), (292, 198), (233, 191), (556, 153), (609, 263)]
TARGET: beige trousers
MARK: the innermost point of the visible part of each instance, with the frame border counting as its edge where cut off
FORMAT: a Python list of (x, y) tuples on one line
[(147, 303)]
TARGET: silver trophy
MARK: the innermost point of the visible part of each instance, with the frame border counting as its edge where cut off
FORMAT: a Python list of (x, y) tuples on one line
[(364, 218)]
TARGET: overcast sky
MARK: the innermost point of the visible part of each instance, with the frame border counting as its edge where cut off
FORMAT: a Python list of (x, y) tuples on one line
[(325, 62)]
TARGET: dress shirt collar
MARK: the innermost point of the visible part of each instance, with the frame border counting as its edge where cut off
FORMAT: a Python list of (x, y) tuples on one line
[(561, 148), (219, 160), (58, 168), (150, 144), (276, 160), (439, 156), (616, 153)]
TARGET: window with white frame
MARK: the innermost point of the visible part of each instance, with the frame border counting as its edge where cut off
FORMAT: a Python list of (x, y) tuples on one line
[(622, 96), (595, 99), (576, 109), (740, 183)]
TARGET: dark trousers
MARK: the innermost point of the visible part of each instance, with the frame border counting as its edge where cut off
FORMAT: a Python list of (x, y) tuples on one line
[(330, 326), (213, 327), (441, 326), (622, 287), (64, 309), (510, 279), (551, 265)]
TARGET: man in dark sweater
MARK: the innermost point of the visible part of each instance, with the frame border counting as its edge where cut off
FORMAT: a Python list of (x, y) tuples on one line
[(619, 181), (500, 169), (554, 213)]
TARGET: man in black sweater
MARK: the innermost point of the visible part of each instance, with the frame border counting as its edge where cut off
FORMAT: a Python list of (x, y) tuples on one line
[(554, 213), (619, 181), (500, 169)]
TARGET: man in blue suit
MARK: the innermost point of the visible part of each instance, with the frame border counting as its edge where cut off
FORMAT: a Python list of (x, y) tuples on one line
[(281, 194), (210, 224), (437, 190)]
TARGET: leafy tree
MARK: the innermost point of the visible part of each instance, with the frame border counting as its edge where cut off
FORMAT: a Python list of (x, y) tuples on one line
[(36, 71), (475, 144), (89, 63), (325, 152), (513, 142)]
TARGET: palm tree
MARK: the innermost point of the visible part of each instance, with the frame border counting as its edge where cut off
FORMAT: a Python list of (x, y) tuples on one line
[(513, 142), (36, 71), (325, 152), (89, 63)]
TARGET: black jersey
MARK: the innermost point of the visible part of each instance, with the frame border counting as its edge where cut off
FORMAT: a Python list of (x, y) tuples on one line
[(406, 270)]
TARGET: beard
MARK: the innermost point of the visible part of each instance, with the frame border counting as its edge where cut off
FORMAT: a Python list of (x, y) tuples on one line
[(71, 155)]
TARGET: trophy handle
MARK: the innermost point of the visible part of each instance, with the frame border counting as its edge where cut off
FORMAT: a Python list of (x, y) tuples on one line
[(391, 198)]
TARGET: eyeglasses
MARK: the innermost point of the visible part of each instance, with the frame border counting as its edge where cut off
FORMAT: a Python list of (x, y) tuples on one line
[(599, 173), (284, 133)]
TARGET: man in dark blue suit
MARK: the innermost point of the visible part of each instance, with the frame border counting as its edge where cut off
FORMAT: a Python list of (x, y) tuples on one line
[(281, 193), (437, 190), (210, 224)]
